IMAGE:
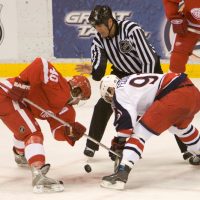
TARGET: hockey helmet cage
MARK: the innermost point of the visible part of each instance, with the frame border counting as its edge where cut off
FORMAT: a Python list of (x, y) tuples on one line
[(100, 15), (83, 83), (107, 82)]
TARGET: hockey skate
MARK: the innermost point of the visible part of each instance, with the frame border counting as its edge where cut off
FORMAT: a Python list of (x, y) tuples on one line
[(42, 184), (20, 159), (194, 160), (117, 180), (187, 155)]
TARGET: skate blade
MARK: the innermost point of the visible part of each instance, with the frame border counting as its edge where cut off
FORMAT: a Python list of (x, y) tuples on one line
[(46, 189), (23, 165), (118, 185), (195, 161)]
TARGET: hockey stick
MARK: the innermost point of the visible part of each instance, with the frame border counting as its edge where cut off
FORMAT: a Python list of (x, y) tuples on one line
[(193, 30), (68, 125), (194, 56), (87, 166), (48, 113)]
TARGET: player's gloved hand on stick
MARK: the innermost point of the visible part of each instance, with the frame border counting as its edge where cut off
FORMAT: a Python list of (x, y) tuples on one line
[(179, 24), (117, 145), (19, 90), (78, 131)]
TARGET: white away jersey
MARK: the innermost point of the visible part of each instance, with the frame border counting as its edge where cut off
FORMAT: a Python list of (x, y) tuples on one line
[(135, 94)]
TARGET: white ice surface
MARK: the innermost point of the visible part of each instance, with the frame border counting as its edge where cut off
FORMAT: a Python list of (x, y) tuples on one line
[(161, 174)]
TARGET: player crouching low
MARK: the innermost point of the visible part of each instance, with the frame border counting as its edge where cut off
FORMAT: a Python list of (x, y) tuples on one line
[(42, 84), (167, 101)]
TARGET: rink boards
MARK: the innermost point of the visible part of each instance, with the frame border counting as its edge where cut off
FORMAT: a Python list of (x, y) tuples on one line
[(68, 69)]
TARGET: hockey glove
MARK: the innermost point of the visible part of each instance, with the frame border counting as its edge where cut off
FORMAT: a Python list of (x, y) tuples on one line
[(19, 90), (78, 131), (179, 24), (117, 145)]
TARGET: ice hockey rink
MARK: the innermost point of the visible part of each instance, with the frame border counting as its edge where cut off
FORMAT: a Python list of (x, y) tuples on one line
[(161, 174)]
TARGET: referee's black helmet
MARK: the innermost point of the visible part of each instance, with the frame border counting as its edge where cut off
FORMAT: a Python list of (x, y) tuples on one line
[(100, 15)]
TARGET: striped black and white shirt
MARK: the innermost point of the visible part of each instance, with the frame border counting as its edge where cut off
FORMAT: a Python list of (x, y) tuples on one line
[(128, 51)]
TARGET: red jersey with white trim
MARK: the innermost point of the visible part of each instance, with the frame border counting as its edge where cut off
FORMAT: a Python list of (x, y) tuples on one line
[(135, 94), (50, 91), (191, 10)]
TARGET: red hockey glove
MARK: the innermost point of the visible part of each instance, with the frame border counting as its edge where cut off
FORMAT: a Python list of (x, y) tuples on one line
[(117, 145), (78, 131), (179, 24), (19, 90)]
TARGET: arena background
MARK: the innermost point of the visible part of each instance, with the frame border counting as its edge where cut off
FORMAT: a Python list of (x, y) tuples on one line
[(31, 28), (58, 30)]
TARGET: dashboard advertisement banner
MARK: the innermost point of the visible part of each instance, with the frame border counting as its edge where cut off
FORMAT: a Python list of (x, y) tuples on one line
[(73, 34)]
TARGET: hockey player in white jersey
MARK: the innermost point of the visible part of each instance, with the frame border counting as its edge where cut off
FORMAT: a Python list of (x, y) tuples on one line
[(164, 101)]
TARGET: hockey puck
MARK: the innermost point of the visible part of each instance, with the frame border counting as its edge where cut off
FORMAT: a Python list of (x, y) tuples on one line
[(88, 168)]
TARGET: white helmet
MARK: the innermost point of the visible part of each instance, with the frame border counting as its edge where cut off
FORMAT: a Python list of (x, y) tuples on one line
[(109, 81)]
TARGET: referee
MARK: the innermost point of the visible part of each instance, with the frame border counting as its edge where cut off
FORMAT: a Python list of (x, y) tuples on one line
[(124, 45)]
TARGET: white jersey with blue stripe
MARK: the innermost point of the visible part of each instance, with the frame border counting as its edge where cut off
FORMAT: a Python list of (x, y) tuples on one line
[(133, 96)]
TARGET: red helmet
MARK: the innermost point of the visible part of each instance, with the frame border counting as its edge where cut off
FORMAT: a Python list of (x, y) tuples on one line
[(83, 83)]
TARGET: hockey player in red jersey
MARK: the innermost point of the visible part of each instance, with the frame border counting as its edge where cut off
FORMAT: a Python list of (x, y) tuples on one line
[(186, 24), (41, 83), (164, 102)]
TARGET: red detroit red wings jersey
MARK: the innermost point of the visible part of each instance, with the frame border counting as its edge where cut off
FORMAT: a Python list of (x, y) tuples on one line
[(191, 10), (48, 88)]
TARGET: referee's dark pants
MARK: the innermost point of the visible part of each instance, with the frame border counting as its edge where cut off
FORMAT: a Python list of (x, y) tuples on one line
[(101, 115)]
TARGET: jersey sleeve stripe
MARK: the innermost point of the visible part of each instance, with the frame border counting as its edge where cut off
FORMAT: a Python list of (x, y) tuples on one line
[(45, 70)]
